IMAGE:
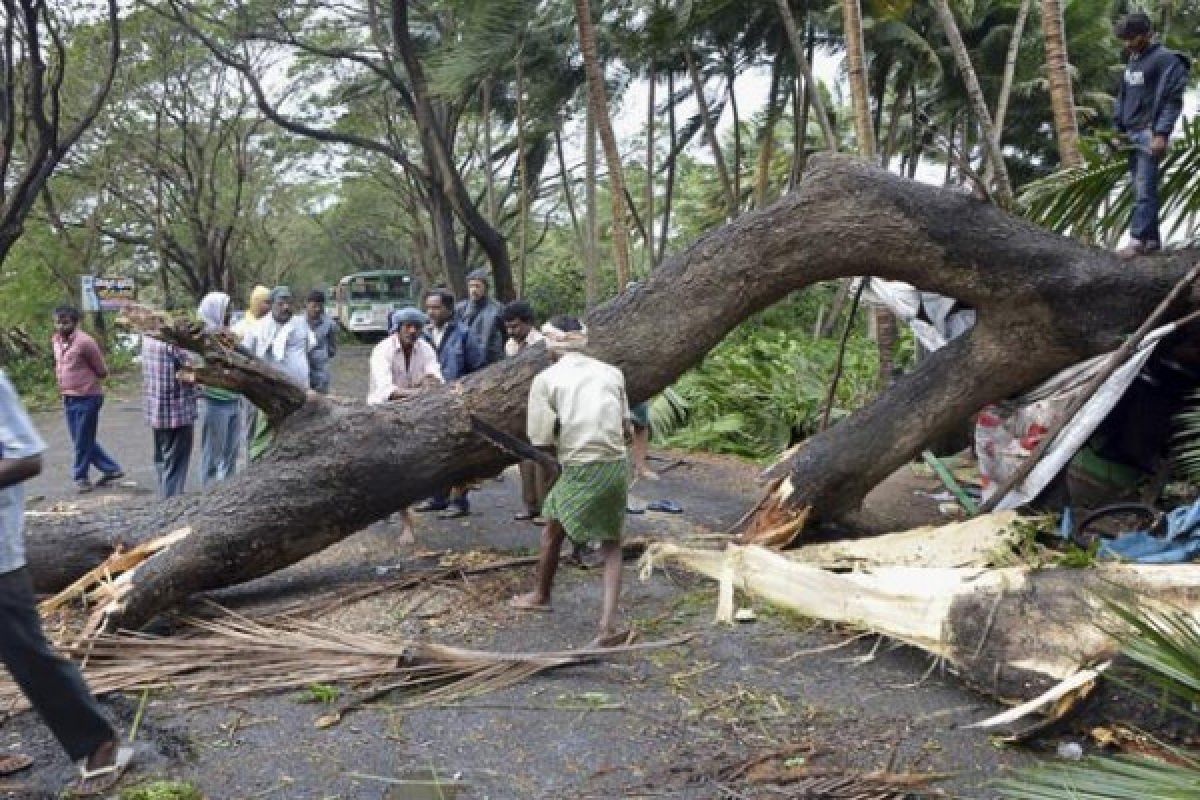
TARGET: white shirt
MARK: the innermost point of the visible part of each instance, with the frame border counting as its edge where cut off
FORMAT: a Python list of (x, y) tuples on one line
[(285, 346), (586, 400), (512, 346), (437, 334), (390, 371)]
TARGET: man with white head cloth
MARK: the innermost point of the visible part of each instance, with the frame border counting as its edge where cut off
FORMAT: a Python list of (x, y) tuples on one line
[(220, 412), (401, 366), (578, 410)]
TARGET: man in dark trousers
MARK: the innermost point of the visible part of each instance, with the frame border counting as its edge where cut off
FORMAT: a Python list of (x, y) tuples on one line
[(481, 316), (459, 354), (52, 684), (1149, 103)]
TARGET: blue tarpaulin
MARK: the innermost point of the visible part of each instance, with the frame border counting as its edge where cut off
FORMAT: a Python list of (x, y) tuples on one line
[(1180, 543)]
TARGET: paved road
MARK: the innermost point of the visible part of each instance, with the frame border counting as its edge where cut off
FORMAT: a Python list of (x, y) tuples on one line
[(124, 433)]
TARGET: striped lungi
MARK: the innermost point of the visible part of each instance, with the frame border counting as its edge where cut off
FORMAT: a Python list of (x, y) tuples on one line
[(588, 500)]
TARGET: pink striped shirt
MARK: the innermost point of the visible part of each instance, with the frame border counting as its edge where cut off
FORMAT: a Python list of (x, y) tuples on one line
[(79, 365)]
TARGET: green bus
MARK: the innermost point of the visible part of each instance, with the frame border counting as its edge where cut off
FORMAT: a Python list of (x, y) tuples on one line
[(363, 301)]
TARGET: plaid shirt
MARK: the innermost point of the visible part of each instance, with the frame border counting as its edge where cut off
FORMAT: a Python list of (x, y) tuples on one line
[(167, 402)]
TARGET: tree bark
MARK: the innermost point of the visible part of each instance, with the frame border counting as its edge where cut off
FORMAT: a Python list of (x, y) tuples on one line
[(856, 68), (598, 101), (845, 218), (1062, 97)]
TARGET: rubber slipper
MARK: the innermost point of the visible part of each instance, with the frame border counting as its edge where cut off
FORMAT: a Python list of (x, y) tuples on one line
[(14, 763), (524, 516), (94, 782), (515, 604), (665, 506)]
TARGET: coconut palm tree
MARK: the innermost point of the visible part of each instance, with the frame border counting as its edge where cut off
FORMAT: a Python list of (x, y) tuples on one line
[(598, 102), (1062, 97)]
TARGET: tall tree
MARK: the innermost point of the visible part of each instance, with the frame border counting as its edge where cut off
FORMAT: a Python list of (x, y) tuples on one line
[(1062, 96), (598, 102), (856, 68), (962, 58), (39, 122)]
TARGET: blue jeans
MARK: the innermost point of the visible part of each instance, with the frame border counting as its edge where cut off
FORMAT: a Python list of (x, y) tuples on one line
[(172, 452), (1143, 170), (220, 439), (83, 417)]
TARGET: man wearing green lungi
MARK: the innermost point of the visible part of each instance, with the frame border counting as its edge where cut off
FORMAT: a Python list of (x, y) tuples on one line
[(578, 410)]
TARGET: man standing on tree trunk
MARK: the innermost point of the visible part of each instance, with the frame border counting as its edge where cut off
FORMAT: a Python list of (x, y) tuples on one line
[(1149, 103), (52, 684), (481, 316), (80, 369), (578, 409)]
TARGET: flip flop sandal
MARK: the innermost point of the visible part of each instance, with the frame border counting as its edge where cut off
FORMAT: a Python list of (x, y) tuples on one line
[(665, 506), (94, 782), (524, 516), (14, 763)]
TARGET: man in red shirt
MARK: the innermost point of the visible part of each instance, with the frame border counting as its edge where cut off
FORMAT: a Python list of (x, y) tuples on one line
[(79, 367)]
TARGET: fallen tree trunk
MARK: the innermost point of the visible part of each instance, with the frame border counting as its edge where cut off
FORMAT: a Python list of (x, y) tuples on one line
[(1044, 301), (1010, 632)]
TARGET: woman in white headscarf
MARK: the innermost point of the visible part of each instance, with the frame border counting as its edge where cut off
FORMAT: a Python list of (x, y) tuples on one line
[(220, 415)]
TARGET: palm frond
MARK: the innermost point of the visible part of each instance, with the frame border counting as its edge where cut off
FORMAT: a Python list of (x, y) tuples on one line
[(1096, 199), (1120, 778)]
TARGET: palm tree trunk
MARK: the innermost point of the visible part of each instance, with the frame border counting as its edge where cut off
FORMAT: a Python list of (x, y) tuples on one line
[(489, 177), (568, 193), (598, 100), (652, 79), (710, 133), (1003, 187), (946, 179), (670, 188), (803, 63), (856, 68), (1010, 66), (893, 127), (522, 176), (591, 276), (737, 136), (1062, 98), (766, 137), (914, 153)]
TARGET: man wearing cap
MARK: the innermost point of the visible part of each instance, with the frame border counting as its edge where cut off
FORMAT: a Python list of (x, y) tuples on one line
[(401, 366), (1149, 103), (578, 409), (481, 316), (325, 335), (403, 363)]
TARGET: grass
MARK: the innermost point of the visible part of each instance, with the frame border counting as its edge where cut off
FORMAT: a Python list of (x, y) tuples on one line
[(162, 790)]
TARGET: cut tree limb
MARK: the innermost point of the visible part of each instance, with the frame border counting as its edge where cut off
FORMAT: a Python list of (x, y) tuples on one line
[(1044, 301)]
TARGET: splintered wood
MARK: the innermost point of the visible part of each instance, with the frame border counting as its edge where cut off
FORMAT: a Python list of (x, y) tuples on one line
[(1011, 632)]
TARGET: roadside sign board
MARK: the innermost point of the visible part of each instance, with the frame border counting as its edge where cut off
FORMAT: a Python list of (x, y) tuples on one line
[(107, 294)]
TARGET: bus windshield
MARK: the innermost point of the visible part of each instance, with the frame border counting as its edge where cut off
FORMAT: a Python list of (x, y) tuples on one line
[(379, 289)]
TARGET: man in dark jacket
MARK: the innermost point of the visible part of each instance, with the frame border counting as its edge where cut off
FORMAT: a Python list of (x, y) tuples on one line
[(1149, 103), (481, 315), (459, 354)]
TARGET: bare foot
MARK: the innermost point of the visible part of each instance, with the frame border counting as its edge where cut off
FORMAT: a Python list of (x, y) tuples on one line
[(611, 638), (530, 601), (14, 762)]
